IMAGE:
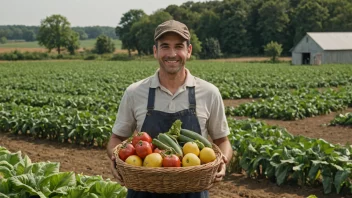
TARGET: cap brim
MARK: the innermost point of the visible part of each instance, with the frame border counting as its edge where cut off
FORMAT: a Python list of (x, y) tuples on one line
[(175, 31)]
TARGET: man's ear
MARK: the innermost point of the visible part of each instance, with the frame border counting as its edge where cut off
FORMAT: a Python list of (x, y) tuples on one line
[(189, 51), (155, 50)]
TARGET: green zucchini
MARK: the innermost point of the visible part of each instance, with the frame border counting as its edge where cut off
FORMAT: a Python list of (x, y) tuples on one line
[(185, 139), (160, 145), (168, 141), (196, 136)]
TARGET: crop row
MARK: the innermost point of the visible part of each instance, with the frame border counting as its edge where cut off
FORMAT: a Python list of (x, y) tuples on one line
[(40, 99), (273, 153), (297, 105), (57, 123), (106, 79), (342, 119), (19, 177)]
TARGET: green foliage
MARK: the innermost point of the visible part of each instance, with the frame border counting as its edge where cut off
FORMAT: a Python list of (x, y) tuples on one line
[(76, 102), (342, 119), (232, 30), (144, 31), (22, 178), (273, 50), (72, 42), (104, 45), (128, 39), (29, 35), (211, 49), (273, 153), (297, 105), (208, 22), (3, 40), (196, 44), (273, 20), (17, 55), (309, 17), (55, 32)]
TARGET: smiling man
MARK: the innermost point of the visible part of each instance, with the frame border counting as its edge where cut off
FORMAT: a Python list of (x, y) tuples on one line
[(153, 104)]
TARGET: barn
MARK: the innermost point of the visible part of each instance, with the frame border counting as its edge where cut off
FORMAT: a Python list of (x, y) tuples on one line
[(317, 48)]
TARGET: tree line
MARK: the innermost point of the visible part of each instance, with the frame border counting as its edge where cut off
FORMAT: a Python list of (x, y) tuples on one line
[(218, 28), (238, 27), (30, 33)]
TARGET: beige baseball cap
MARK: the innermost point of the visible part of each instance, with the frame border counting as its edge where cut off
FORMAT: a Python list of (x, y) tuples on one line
[(172, 26)]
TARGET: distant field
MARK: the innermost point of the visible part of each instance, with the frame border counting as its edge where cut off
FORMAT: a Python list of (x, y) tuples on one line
[(83, 44)]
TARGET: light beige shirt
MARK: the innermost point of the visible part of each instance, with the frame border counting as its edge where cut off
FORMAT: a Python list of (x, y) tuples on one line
[(209, 105)]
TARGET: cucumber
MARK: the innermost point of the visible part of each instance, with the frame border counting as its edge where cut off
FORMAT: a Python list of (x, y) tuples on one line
[(196, 136), (185, 139), (169, 142), (160, 145)]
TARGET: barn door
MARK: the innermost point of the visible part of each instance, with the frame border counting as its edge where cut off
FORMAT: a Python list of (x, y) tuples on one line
[(305, 58)]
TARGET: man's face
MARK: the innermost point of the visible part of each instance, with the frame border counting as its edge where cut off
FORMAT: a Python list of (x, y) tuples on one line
[(172, 52)]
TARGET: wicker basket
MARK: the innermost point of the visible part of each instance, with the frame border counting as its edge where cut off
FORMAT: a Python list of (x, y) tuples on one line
[(169, 179)]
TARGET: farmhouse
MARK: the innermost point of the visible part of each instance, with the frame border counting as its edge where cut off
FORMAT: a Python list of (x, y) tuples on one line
[(317, 48)]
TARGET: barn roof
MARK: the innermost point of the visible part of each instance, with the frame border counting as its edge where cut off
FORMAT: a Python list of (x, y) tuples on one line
[(332, 40)]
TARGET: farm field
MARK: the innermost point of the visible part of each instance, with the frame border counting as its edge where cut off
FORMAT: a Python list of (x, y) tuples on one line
[(66, 109)]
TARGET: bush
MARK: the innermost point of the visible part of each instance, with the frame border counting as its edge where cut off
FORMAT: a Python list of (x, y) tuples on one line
[(211, 49), (3, 40), (91, 57), (121, 57), (104, 45), (273, 49)]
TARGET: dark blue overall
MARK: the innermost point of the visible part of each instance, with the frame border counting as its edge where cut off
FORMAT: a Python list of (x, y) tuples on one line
[(159, 122)]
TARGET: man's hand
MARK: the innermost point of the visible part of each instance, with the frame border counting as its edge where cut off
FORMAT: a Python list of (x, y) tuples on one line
[(114, 171), (222, 170)]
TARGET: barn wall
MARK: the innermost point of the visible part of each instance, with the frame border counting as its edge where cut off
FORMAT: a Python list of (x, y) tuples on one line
[(338, 56), (306, 45), (296, 58)]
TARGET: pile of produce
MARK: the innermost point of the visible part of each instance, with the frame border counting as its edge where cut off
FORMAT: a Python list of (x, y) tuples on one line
[(175, 148)]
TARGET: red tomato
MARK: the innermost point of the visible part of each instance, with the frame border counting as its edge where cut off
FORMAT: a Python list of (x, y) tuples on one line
[(126, 151), (171, 161), (153, 146), (143, 149), (144, 136)]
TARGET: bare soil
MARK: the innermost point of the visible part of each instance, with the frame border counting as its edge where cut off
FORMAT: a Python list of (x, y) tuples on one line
[(94, 161)]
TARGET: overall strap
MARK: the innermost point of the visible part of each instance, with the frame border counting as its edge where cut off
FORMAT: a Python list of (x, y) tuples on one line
[(151, 99), (192, 98)]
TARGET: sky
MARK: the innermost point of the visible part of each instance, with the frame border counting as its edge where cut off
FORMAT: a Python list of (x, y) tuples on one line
[(78, 12)]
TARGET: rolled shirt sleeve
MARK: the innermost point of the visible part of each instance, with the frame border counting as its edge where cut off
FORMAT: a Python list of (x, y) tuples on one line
[(217, 123), (125, 122)]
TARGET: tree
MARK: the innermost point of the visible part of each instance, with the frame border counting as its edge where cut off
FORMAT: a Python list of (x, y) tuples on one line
[(273, 20), (144, 31), (28, 35), (196, 44), (273, 49), (104, 45), (233, 35), (309, 17), (127, 38), (208, 25), (211, 48), (340, 14), (72, 42), (54, 32), (82, 34), (3, 40)]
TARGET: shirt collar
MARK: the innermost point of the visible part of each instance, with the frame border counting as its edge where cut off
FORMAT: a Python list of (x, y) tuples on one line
[(190, 80)]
